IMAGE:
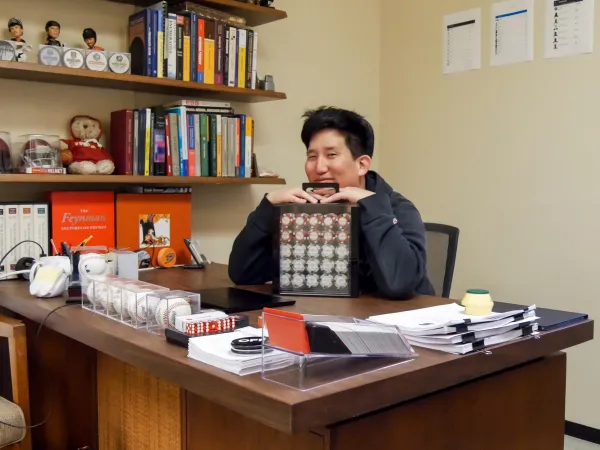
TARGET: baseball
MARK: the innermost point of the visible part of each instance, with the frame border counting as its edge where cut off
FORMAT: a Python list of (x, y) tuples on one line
[(119, 301), (136, 304), (100, 293), (169, 309)]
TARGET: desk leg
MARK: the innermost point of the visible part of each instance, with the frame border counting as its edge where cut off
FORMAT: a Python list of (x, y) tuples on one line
[(518, 409)]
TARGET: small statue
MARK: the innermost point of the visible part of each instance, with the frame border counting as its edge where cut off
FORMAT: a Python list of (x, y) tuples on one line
[(15, 26), (90, 38), (52, 33)]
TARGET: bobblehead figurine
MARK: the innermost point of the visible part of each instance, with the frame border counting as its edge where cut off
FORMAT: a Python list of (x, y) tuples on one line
[(15, 26), (90, 38), (52, 33)]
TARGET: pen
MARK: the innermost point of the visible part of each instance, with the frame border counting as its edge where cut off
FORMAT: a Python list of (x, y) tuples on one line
[(54, 249), (85, 241)]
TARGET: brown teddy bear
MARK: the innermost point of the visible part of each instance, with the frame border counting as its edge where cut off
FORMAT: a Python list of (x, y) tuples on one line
[(85, 154)]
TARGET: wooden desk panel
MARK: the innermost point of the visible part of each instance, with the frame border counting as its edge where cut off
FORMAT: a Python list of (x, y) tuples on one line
[(273, 405)]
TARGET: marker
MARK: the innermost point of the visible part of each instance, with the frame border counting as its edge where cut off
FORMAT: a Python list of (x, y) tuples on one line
[(54, 249), (85, 241)]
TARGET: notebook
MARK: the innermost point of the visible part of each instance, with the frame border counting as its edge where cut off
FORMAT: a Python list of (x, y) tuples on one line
[(548, 319)]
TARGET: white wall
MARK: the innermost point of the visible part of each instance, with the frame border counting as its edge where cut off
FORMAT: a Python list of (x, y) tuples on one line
[(509, 155)]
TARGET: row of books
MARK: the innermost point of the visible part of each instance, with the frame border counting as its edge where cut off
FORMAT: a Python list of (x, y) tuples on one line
[(180, 43), (183, 138), (22, 222)]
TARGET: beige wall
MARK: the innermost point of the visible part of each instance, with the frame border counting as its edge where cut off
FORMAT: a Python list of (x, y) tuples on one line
[(510, 156), (315, 57)]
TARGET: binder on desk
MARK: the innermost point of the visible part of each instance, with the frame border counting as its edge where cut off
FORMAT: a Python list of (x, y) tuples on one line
[(549, 319)]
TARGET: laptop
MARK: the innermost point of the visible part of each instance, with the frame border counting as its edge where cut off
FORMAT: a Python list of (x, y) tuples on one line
[(234, 300), (549, 319)]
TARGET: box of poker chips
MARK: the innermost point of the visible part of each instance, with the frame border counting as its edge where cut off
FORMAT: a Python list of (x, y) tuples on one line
[(316, 249)]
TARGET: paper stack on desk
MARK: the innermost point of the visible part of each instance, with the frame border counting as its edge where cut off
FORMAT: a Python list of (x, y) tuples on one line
[(447, 328), (216, 351)]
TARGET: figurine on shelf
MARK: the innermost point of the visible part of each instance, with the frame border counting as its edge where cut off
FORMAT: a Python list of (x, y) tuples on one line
[(85, 154), (15, 26), (90, 37), (52, 33)]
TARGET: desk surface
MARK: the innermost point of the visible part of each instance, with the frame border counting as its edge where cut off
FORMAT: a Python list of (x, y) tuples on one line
[(277, 406)]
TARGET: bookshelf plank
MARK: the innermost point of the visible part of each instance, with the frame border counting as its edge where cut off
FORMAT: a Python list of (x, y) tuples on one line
[(133, 179), (137, 83), (255, 15)]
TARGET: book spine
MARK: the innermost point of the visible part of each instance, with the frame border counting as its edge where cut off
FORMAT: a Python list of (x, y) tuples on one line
[(200, 50), (213, 145), (3, 248), (192, 151), (169, 160), (172, 47), (194, 47), (254, 59), (25, 232), (219, 54), (12, 236), (135, 132), (186, 48), (41, 227), (183, 143), (150, 45), (154, 15), (180, 26), (152, 142), (160, 150), (147, 123), (242, 157), (219, 145), (232, 57), (242, 43), (205, 136), (209, 51), (249, 55)]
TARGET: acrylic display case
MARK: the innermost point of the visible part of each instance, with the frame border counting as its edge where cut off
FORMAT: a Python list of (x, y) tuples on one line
[(6, 164), (167, 309), (38, 153), (121, 299), (316, 250), (324, 349)]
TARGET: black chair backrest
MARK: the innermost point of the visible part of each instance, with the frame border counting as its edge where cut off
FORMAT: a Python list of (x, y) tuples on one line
[(442, 243)]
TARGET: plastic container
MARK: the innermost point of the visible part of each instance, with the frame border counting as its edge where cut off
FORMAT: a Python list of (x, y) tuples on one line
[(478, 302)]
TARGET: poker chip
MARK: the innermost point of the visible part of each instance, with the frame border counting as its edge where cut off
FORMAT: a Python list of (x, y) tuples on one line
[(313, 251), (327, 265), (328, 236), (286, 250), (342, 251), (285, 280), (299, 250), (298, 280), (329, 220), (326, 281), (301, 219), (312, 280), (298, 265), (342, 236), (299, 235), (343, 220), (286, 265), (286, 236), (312, 265), (341, 281), (313, 236), (327, 251), (286, 220), (315, 220), (341, 266)]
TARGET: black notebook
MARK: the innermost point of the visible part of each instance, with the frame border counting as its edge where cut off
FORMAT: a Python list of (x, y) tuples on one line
[(234, 300), (549, 319)]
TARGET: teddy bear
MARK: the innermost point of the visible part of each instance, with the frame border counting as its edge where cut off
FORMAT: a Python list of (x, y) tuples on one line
[(85, 154)]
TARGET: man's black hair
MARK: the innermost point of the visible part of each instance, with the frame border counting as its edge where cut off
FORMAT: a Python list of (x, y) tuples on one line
[(52, 23), (89, 33), (358, 132)]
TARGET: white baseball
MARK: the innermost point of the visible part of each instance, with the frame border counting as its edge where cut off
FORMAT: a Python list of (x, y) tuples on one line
[(107, 301), (136, 304), (91, 264), (168, 309), (100, 293), (89, 292), (119, 302)]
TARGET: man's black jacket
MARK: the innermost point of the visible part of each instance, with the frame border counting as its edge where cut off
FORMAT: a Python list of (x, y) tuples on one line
[(392, 245)]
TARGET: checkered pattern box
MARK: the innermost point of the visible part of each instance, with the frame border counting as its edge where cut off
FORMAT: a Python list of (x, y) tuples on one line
[(316, 250), (163, 309)]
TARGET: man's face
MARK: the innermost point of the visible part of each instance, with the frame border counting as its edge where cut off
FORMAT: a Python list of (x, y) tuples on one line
[(329, 160), (90, 42), (54, 32), (16, 31)]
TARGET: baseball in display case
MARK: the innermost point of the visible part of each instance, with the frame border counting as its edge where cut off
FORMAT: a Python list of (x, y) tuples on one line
[(316, 248)]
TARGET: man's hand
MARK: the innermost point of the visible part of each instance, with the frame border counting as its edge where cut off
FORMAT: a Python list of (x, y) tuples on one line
[(296, 195), (348, 194)]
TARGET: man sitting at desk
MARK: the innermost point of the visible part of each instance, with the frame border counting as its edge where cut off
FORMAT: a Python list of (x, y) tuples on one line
[(392, 245)]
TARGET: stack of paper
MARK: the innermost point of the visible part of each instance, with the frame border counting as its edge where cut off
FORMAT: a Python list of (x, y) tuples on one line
[(447, 328), (216, 351)]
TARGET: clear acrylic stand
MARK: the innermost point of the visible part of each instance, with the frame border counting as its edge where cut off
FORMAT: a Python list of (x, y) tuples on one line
[(325, 349)]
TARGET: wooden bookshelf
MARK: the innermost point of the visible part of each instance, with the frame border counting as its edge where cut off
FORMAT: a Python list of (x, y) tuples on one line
[(255, 15), (137, 83), (133, 179)]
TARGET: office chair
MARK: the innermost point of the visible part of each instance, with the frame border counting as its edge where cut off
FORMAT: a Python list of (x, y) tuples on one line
[(442, 243), (15, 412)]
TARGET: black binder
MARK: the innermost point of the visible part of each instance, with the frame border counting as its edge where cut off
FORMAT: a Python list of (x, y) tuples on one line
[(549, 319)]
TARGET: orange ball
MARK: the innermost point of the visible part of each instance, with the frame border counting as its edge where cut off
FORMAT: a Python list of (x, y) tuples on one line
[(66, 157)]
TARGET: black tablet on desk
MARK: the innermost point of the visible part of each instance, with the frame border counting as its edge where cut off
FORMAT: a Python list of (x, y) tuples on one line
[(549, 319), (234, 300)]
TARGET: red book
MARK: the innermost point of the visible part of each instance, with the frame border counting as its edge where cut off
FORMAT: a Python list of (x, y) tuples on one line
[(121, 141)]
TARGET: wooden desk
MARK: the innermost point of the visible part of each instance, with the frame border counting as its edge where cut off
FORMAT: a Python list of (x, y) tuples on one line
[(120, 388)]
